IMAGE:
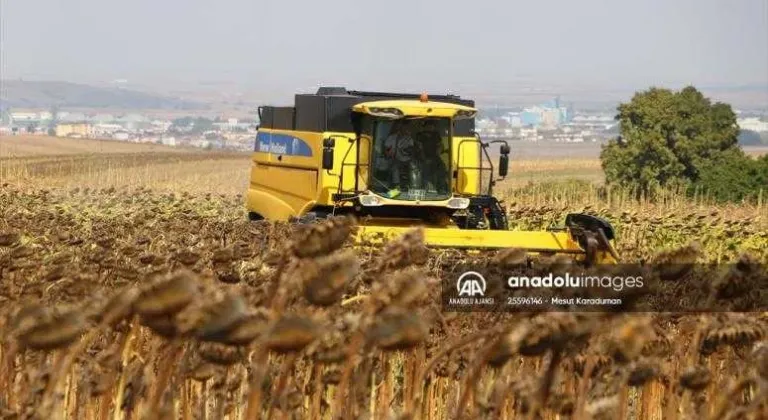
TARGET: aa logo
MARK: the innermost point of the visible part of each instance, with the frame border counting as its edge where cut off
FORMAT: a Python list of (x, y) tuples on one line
[(471, 284)]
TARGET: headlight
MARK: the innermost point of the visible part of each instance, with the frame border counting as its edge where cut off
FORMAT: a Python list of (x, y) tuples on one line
[(458, 203), (386, 112), (370, 200)]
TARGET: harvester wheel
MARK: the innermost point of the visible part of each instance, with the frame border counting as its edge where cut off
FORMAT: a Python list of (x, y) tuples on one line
[(254, 217), (486, 213)]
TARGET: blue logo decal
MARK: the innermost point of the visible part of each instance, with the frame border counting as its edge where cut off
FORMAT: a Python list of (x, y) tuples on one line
[(282, 144)]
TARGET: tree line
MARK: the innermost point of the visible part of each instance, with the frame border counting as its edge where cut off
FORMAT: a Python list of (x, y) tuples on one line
[(681, 139)]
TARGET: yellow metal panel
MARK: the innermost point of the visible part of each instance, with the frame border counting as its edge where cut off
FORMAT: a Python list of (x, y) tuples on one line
[(468, 238), (466, 153), (293, 186), (289, 180), (268, 205), (533, 241)]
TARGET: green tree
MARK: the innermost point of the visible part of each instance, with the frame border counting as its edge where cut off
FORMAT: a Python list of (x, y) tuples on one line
[(666, 137), (733, 176)]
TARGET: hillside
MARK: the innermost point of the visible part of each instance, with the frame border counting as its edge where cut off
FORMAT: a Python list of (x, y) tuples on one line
[(44, 94)]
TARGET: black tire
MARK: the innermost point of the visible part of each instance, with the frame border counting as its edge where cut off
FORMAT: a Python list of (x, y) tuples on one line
[(497, 218), (486, 210)]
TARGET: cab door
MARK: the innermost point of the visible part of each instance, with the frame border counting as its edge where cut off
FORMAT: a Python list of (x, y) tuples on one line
[(364, 148)]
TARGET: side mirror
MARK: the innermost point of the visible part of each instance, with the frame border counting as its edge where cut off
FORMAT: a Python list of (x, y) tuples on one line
[(504, 160), (503, 165), (328, 153)]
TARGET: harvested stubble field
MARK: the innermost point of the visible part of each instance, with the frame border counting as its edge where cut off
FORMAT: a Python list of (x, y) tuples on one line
[(141, 297), (67, 163)]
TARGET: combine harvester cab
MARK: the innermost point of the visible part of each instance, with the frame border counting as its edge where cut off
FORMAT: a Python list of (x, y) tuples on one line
[(396, 161)]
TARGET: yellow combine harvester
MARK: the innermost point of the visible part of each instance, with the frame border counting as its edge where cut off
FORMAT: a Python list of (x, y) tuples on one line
[(396, 161)]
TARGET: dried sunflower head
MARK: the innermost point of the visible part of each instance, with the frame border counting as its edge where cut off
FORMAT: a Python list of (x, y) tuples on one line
[(58, 328), (398, 330), (291, 333), (325, 279), (168, 296)]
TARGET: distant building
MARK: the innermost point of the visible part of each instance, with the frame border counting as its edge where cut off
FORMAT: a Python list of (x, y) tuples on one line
[(19, 117), (134, 122), (531, 116), (551, 114), (106, 129), (550, 117), (485, 124), (530, 134), (161, 125), (82, 130), (513, 119), (28, 121), (121, 135), (5, 118)]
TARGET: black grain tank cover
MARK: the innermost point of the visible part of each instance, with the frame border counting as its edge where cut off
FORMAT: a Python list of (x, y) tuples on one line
[(330, 110)]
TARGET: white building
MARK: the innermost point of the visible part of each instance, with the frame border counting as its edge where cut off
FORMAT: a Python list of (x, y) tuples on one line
[(485, 124), (121, 135), (161, 125), (753, 124), (531, 134), (24, 116), (106, 128)]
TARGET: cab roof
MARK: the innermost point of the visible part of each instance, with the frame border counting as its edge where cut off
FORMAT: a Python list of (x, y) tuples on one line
[(331, 109), (415, 107)]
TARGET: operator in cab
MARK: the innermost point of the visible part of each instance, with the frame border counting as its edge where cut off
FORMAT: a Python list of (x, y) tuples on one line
[(399, 148), (432, 150)]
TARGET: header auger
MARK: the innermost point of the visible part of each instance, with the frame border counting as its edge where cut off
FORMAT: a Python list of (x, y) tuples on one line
[(395, 161)]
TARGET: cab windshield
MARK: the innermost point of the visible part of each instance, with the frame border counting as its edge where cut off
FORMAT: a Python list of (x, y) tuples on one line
[(411, 158)]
